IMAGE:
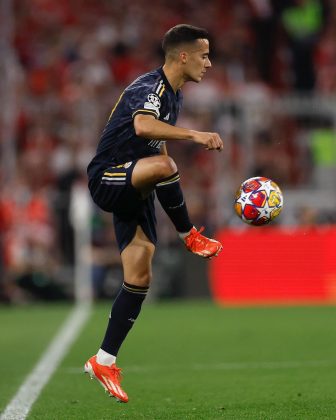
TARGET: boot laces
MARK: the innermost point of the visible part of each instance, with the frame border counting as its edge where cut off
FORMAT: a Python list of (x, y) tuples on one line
[(195, 236), (116, 372)]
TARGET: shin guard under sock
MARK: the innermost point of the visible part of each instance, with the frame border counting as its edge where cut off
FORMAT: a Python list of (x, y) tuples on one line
[(170, 196), (125, 311)]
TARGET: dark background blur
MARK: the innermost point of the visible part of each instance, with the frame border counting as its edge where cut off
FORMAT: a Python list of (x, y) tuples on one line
[(271, 95)]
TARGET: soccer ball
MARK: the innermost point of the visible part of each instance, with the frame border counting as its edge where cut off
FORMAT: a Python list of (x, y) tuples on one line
[(258, 201)]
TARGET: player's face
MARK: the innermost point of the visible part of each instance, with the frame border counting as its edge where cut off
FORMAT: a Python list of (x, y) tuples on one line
[(197, 61)]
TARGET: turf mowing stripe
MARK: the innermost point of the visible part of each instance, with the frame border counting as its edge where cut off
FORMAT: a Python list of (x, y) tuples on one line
[(265, 365), (293, 364), (21, 403)]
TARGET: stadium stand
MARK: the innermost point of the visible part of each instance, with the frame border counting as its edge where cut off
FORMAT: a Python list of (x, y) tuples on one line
[(73, 59)]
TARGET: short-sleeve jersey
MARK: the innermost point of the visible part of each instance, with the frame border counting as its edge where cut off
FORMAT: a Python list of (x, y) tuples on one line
[(149, 94)]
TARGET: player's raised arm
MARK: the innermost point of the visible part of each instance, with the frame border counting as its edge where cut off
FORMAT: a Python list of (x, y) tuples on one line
[(148, 127)]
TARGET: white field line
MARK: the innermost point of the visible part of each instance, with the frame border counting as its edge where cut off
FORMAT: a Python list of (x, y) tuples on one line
[(20, 405), (289, 364)]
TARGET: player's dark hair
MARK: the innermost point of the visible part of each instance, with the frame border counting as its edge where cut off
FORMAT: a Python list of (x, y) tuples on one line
[(181, 34)]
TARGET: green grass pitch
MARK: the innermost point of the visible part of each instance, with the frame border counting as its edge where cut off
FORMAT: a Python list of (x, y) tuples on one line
[(184, 360)]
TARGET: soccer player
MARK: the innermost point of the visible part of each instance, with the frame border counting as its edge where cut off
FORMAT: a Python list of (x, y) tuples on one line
[(130, 165)]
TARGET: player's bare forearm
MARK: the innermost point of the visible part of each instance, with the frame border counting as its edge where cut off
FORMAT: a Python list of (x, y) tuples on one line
[(147, 126)]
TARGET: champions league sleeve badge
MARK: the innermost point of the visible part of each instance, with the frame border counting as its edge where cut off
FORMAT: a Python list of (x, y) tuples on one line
[(153, 103)]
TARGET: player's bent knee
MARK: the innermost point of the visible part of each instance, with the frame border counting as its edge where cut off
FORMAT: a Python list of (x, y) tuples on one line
[(166, 166), (148, 171)]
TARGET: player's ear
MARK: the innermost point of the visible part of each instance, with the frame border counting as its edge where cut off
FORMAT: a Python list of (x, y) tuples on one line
[(183, 56)]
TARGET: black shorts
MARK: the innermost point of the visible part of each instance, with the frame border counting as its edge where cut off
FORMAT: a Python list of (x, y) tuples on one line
[(113, 192)]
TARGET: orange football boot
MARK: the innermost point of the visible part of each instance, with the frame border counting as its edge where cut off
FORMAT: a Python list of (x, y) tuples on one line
[(201, 245), (108, 376)]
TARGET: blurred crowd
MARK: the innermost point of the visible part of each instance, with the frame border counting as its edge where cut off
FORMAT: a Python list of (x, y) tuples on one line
[(72, 58)]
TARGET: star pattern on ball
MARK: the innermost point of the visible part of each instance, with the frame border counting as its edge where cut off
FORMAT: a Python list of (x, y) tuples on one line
[(267, 186), (244, 199), (255, 201)]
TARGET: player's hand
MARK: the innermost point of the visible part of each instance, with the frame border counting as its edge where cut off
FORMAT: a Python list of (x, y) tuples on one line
[(211, 141)]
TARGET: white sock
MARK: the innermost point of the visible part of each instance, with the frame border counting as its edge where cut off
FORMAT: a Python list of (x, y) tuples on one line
[(182, 235), (104, 358)]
